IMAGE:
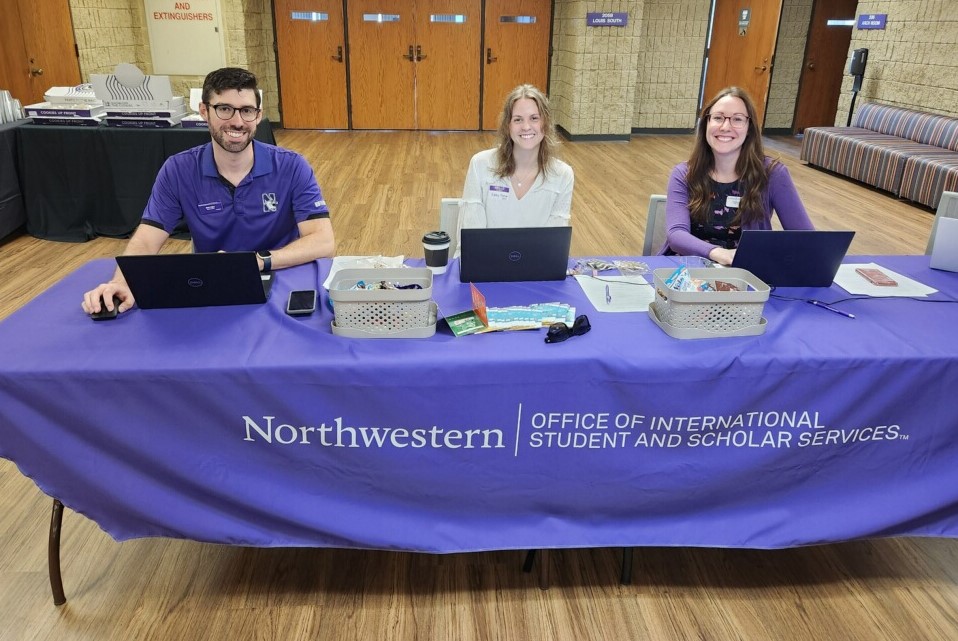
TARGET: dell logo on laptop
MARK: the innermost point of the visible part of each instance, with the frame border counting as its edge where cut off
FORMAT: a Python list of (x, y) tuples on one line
[(515, 256), (195, 282)]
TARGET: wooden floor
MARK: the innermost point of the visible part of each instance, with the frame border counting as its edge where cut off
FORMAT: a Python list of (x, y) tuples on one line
[(384, 190)]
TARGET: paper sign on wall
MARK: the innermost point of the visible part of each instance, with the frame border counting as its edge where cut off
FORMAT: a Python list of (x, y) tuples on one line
[(186, 37)]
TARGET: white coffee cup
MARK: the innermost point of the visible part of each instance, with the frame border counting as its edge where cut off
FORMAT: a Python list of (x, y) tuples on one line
[(436, 248)]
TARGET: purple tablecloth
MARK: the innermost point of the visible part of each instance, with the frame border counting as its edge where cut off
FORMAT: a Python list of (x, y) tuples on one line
[(243, 425)]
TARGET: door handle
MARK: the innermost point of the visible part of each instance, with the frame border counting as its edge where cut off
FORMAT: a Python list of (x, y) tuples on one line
[(410, 56), (339, 54), (811, 65), (762, 68), (489, 57), (419, 54), (36, 72)]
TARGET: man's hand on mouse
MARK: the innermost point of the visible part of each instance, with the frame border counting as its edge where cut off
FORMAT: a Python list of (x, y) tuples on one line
[(106, 292)]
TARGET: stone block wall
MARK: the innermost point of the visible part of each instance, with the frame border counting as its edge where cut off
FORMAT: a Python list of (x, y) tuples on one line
[(669, 79), (912, 62), (109, 32), (789, 56), (593, 77)]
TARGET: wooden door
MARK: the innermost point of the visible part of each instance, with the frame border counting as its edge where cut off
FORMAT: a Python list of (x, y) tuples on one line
[(826, 51), (311, 47), (516, 51), (37, 48), (448, 63), (382, 68), (743, 56)]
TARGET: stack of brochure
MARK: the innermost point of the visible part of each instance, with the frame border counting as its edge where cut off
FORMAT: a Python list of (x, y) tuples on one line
[(73, 106)]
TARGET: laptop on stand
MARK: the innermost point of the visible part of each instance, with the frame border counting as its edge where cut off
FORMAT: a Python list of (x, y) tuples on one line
[(513, 254), (793, 258), (195, 280)]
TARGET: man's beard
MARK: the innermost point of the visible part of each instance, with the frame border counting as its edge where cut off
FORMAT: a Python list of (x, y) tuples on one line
[(230, 145)]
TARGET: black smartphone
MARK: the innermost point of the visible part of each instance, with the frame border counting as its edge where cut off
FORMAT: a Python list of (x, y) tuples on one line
[(104, 313), (302, 302)]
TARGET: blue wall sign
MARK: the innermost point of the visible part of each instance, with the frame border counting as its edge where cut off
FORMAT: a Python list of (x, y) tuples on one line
[(872, 20), (617, 19)]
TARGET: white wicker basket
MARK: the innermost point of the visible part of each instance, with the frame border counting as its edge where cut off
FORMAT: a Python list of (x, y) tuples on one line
[(383, 313), (710, 314)]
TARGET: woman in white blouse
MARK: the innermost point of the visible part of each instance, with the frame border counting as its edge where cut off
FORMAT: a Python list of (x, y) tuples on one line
[(520, 182)]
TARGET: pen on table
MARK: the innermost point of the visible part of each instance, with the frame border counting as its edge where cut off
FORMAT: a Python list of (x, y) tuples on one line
[(608, 296), (819, 303)]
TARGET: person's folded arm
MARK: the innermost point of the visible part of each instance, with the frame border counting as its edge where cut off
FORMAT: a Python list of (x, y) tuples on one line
[(678, 219), (786, 202), (472, 208), (561, 215), (316, 240)]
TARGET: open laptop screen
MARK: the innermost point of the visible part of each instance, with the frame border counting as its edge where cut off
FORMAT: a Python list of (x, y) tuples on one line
[(793, 258), (508, 254), (195, 280)]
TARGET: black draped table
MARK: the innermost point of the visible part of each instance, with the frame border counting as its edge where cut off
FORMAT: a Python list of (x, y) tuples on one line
[(82, 182), (11, 201)]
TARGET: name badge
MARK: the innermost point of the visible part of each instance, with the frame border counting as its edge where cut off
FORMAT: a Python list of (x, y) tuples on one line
[(209, 208), (498, 191), (733, 201)]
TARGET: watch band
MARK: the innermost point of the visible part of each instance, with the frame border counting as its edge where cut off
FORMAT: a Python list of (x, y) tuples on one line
[(267, 260)]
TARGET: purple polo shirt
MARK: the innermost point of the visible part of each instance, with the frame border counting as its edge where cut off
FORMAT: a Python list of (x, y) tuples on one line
[(262, 212)]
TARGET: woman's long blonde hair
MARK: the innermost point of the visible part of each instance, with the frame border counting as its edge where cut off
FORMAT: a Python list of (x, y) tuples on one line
[(505, 162)]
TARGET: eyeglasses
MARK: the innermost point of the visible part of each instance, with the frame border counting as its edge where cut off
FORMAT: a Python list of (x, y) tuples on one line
[(738, 121), (559, 332), (225, 112)]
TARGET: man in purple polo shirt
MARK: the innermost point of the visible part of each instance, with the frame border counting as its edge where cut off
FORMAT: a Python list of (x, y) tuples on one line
[(235, 193)]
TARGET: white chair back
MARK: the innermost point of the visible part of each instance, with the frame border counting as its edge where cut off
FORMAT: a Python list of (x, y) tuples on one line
[(449, 222), (655, 231), (947, 208)]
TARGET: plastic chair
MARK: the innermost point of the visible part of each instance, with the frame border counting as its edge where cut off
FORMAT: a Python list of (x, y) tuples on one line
[(947, 208), (655, 231), (449, 222)]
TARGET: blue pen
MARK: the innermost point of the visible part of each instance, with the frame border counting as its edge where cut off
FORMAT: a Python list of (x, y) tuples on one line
[(819, 303)]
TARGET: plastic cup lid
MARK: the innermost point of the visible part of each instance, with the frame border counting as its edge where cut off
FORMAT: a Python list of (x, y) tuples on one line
[(436, 238)]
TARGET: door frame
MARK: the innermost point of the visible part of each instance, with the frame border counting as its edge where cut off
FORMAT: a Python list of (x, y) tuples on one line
[(705, 61)]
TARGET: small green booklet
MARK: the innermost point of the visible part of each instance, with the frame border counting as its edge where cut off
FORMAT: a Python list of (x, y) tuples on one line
[(481, 319)]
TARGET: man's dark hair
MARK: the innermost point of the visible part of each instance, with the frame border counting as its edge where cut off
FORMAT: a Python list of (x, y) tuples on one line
[(229, 78)]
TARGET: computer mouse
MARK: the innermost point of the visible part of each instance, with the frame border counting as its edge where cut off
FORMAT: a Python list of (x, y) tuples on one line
[(104, 313)]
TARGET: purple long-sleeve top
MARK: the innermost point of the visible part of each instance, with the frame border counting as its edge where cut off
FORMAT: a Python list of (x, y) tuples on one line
[(780, 196)]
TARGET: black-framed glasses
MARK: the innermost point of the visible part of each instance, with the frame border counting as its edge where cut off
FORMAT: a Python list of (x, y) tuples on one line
[(738, 121), (225, 112), (559, 332)]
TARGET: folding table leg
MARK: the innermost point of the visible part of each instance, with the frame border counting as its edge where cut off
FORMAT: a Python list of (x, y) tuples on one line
[(626, 577), (53, 554), (529, 563)]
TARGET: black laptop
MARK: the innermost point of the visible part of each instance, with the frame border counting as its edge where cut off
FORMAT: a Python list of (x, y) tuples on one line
[(793, 258), (509, 254), (195, 280)]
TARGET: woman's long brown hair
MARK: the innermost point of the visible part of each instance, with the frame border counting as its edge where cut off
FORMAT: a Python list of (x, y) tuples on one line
[(750, 167)]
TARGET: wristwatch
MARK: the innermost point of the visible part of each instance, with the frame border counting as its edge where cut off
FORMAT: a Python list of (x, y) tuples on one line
[(267, 260)]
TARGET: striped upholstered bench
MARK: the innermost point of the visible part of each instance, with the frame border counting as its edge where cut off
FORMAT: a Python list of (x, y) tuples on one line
[(909, 153)]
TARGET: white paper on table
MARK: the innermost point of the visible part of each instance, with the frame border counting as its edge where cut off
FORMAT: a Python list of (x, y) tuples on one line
[(857, 284), (361, 262), (628, 293)]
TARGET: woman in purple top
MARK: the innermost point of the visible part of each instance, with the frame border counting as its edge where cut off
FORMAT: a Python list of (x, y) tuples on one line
[(728, 184)]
